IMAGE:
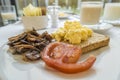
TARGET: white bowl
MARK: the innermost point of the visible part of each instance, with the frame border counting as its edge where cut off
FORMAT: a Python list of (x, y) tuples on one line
[(36, 22)]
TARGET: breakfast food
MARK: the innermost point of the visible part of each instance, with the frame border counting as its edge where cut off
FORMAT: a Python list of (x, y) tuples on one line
[(34, 17), (94, 42), (72, 32), (64, 57), (29, 44), (30, 10), (64, 51)]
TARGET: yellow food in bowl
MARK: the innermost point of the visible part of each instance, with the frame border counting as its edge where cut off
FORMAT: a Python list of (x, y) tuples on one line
[(30, 10), (72, 32)]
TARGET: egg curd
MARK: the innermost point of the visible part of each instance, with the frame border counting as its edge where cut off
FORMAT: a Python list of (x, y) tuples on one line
[(72, 32)]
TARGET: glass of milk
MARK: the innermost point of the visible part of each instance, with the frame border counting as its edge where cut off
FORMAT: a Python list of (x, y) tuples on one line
[(90, 12), (8, 13), (111, 11)]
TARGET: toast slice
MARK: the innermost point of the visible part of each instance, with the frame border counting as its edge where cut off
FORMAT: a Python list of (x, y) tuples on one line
[(94, 42)]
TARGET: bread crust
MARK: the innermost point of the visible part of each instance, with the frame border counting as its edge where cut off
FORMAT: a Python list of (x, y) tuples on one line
[(94, 42)]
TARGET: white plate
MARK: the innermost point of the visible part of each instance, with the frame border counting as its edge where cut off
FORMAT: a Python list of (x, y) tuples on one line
[(102, 27), (106, 67)]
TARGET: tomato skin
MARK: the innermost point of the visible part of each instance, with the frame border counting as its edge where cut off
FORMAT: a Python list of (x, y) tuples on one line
[(69, 66), (66, 51)]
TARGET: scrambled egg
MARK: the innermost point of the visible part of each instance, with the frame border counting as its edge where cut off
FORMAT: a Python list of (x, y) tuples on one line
[(72, 32)]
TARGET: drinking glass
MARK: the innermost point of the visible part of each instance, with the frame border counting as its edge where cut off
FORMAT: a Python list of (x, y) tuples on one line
[(8, 14), (52, 11), (112, 11), (90, 12)]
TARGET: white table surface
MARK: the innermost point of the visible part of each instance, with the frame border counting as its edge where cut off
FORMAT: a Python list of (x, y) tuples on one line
[(17, 28)]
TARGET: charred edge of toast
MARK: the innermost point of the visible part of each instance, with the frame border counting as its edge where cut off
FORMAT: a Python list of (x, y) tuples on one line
[(96, 45)]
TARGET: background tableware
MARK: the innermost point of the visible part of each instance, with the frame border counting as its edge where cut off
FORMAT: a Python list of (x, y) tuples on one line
[(111, 11), (101, 28), (8, 13), (90, 12), (36, 22), (53, 13)]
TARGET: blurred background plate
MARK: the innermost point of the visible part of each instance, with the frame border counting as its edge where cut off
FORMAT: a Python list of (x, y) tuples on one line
[(63, 15), (102, 27), (115, 23)]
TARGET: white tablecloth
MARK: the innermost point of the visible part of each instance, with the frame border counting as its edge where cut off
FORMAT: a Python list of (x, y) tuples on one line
[(17, 28)]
